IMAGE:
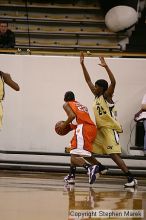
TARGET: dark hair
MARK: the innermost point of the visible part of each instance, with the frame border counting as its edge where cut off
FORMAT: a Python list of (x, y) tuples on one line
[(69, 96), (102, 83)]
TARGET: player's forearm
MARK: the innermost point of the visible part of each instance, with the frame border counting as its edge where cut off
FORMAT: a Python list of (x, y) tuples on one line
[(85, 72), (8, 80), (68, 121), (110, 74)]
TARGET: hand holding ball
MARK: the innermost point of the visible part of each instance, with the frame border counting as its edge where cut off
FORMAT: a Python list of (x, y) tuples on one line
[(64, 131)]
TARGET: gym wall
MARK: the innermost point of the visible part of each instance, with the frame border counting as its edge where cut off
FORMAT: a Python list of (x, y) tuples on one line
[(30, 114)]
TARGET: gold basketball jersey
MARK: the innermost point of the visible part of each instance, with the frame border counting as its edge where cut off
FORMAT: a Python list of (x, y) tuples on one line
[(1, 88), (105, 114)]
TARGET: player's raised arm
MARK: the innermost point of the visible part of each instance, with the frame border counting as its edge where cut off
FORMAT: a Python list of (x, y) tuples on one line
[(8, 80), (86, 75), (111, 88)]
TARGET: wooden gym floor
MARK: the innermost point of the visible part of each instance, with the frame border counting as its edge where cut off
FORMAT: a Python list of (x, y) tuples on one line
[(43, 196)]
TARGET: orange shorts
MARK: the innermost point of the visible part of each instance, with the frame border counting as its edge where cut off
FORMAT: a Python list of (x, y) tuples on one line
[(83, 137)]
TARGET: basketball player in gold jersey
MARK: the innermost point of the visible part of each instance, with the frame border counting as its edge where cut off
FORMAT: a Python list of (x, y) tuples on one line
[(107, 139), (5, 78)]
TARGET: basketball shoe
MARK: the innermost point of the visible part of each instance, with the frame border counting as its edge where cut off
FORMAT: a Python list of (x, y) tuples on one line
[(69, 179), (93, 172), (132, 182)]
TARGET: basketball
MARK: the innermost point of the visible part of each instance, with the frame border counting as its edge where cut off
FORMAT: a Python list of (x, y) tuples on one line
[(64, 131)]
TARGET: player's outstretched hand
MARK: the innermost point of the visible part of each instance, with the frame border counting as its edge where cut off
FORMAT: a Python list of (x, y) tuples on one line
[(103, 63)]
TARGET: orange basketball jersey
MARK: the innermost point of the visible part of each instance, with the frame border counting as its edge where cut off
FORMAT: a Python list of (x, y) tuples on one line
[(82, 114), (85, 131)]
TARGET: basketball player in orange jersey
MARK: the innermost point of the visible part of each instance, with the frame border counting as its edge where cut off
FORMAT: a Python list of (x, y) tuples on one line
[(84, 135), (107, 139), (5, 78)]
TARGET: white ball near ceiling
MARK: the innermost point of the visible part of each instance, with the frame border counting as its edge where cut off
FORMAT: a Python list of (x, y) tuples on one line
[(120, 17)]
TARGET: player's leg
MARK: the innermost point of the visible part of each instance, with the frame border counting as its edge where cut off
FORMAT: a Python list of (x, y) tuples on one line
[(81, 145), (99, 149), (76, 160), (109, 143), (70, 178), (114, 151), (92, 170), (121, 164), (93, 161)]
